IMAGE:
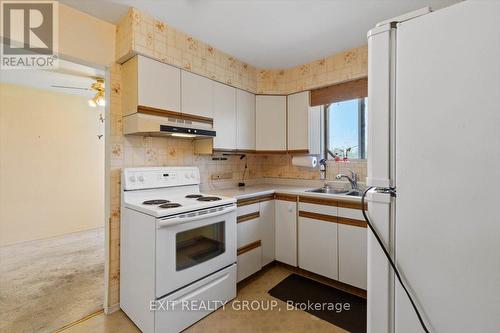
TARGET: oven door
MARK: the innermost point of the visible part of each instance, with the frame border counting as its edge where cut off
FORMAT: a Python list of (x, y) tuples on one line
[(194, 245)]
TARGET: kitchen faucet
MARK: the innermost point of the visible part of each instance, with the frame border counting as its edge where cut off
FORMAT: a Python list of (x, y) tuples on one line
[(322, 169), (353, 179)]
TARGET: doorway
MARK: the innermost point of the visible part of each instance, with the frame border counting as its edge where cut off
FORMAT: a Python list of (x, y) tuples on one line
[(52, 181)]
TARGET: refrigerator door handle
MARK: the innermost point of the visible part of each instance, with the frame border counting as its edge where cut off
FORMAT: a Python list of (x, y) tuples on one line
[(386, 190)]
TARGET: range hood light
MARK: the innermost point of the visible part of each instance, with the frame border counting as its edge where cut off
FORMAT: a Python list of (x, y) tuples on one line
[(183, 135), (153, 125)]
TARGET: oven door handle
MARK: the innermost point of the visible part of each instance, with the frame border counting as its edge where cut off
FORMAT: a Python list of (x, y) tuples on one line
[(178, 220)]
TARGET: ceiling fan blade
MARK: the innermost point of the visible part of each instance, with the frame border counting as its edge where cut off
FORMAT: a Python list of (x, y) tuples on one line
[(69, 87)]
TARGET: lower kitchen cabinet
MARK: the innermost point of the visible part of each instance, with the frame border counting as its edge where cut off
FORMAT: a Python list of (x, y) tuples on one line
[(249, 261), (318, 247), (249, 240), (352, 255), (286, 230), (267, 231), (323, 236)]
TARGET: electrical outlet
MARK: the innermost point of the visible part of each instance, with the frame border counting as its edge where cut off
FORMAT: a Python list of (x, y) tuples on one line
[(220, 176)]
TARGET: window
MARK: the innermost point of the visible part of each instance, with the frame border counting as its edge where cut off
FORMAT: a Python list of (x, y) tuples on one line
[(345, 124)]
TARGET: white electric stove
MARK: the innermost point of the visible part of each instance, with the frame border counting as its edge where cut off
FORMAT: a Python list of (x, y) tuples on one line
[(177, 248)]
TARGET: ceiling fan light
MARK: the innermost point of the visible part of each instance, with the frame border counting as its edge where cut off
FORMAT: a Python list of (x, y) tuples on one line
[(92, 103), (98, 99), (101, 101)]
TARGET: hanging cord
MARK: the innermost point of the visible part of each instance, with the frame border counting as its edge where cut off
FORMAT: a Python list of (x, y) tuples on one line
[(242, 183), (393, 265)]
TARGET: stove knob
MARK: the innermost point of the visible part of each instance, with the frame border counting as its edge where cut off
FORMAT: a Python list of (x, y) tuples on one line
[(140, 178), (193, 175), (186, 176), (132, 179)]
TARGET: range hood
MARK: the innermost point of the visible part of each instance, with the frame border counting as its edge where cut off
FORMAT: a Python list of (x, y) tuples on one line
[(168, 125)]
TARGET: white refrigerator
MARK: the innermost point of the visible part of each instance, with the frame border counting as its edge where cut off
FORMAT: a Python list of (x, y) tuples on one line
[(434, 136)]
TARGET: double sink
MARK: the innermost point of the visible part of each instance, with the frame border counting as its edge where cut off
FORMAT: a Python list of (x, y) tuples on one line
[(329, 190)]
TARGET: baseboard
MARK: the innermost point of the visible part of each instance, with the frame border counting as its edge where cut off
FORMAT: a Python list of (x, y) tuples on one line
[(112, 308), (320, 278), (252, 277), (65, 327)]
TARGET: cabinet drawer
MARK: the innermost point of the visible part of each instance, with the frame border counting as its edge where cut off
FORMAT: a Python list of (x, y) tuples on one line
[(248, 209), (352, 217), (249, 260), (319, 209), (248, 231), (220, 286), (350, 213)]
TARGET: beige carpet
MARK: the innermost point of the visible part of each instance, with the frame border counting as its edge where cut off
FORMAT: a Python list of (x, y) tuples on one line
[(46, 284)]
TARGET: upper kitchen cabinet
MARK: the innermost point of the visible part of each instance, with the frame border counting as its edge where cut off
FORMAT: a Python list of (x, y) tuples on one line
[(270, 123), (197, 95), (303, 124), (245, 117), (150, 83), (224, 114)]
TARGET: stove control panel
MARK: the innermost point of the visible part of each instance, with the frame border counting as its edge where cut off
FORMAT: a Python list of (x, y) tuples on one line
[(155, 177)]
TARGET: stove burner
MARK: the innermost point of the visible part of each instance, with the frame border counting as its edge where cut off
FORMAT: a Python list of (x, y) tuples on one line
[(155, 202), (209, 199), (170, 205), (194, 196)]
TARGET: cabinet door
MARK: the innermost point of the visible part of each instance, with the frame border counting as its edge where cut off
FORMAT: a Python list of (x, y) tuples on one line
[(270, 122), (196, 95), (267, 233), (286, 232), (245, 117), (316, 129), (298, 121), (224, 116), (158, 85), (318, 247), (352, 255)]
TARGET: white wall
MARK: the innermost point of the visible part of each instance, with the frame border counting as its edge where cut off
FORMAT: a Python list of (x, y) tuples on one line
[(51, 164)]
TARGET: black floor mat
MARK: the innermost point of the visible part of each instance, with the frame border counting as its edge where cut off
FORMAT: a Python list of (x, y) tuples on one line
[(325, 301)]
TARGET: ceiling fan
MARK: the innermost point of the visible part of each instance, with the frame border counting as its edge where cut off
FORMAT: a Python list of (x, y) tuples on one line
[(70, 87), (97, 86)]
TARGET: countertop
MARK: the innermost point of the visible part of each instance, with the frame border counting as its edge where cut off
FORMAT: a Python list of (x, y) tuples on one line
[(263, 189)]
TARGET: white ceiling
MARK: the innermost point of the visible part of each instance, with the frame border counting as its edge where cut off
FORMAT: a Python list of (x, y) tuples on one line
[(267, 33)]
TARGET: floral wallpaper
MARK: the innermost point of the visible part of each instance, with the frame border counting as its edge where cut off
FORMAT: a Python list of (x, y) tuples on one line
[(340, 67), (139, 33)]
